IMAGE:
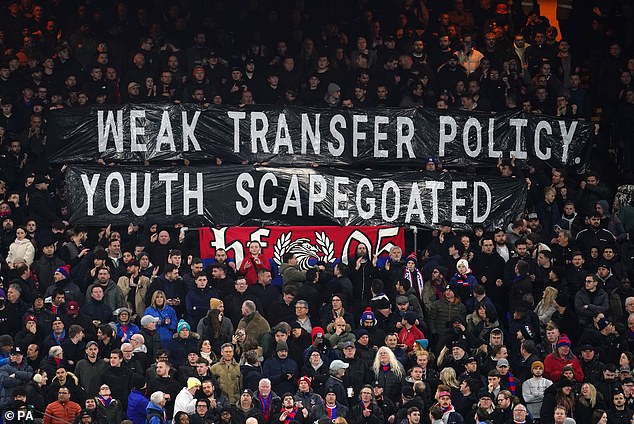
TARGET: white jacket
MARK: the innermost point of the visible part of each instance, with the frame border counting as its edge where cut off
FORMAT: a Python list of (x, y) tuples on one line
[(21, 250), (185, 402)]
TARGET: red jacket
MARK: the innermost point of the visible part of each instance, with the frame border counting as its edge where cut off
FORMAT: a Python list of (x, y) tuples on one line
[(409, 337), (61, 413), (554, 366), (249, 268)]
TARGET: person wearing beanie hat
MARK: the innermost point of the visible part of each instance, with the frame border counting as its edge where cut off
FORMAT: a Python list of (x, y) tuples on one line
[(414, 275), (367, 318), (445, 311), (332, 98), (305, 395), (183, 342), (280, 364), (215, 303), (64, 271), (62, 280), (533, 389), (186, 398), (463, 281), (555, 362), (182, 324)]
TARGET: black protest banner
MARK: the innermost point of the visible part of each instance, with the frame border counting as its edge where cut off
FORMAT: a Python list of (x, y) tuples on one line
[(245, 195), (283, 136)]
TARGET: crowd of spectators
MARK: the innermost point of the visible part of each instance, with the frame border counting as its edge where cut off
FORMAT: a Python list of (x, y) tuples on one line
[(529, 323)]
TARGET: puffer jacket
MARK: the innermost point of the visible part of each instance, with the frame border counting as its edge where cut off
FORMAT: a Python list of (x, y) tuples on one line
[(137, 406), (61, 413), (442, 312)]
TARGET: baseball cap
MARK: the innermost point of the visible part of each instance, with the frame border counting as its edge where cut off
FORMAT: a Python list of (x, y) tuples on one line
[(337, 365), (502, 363)]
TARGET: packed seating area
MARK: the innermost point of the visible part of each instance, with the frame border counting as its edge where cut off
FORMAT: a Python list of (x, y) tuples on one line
[(532, 322)]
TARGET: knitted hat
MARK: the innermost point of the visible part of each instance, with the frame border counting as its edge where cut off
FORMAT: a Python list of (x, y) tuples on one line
[(72, 308), (412, 258), (603, 323), (214, 303), (563, 341), (182, 324), (281, 346), (360, 332), (64, 270), (193, 382), (537, 364), (30, 317), (410, 317), (367, 315), (463, 262), (315, 331), (305, 379)]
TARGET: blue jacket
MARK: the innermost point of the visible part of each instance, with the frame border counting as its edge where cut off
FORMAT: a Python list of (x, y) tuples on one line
[(165, 331), (23, 375), (130, 331), (137, 407), (154, 414)]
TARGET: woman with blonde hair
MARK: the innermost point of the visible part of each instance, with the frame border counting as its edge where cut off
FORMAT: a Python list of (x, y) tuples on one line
[(167, 320), (589, 400), (546, 307), (449, 378), (389, 372)]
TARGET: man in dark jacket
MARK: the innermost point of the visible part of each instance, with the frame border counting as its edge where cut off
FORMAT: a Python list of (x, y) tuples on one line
[(358, 373), (234, 301), (281, 370), (591, 300), (165, 383), (337, 370), (41, 206), (594, 236), (118, 378), (520, 285), (489, 271)]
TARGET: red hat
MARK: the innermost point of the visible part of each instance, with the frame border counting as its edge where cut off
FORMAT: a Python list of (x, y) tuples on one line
[(305, 379), (563, 341), (72, 308), (316, 330)]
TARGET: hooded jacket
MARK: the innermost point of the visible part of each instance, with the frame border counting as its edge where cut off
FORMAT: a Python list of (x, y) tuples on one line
[(21, 250)]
